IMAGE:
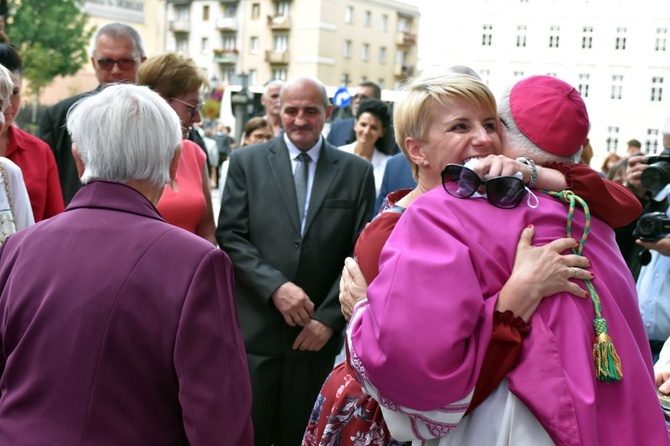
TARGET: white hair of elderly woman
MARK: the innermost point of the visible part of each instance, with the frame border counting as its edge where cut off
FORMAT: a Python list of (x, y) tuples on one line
[(124, 133), (6, 87)]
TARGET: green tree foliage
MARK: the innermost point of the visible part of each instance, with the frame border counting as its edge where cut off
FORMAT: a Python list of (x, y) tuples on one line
[(52, 37)]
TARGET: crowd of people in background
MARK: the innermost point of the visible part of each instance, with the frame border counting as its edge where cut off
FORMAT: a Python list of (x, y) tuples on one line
[(132, 314)]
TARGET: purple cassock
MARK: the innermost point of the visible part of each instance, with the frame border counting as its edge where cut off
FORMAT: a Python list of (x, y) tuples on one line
[(118, 328), (420, 338)]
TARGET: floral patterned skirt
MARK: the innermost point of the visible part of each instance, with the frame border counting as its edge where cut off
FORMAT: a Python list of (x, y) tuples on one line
[(345, 414)]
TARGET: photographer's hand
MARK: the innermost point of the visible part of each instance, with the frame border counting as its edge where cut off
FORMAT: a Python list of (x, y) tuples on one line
[(634, 174), (662, 245)]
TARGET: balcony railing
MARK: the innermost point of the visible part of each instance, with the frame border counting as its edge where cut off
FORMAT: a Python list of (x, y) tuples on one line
[(277, 58), (279, 22), (405, 38), (226, 24), (226, 56), (180, 26)]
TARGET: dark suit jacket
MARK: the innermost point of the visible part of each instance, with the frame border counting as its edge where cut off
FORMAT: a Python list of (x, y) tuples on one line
[(259, 228), (53, 130), (397, 175), (119, 328)]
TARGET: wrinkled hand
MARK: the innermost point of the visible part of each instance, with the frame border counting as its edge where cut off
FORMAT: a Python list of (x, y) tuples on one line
[(662, 245), (293, 304), (541, 271), (353, 287), (634, 173), (313, 336), (500, 165), (663, 379)]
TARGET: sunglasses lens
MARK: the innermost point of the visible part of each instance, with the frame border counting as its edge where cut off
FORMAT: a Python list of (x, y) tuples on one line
[(108, 64), (126, 64), (505, 192), (460, 181)]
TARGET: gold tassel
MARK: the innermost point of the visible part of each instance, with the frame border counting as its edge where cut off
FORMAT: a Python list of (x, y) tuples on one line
[(608, 364)]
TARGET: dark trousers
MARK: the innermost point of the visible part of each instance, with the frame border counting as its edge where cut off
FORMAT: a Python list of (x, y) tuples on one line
[(656, 347), (284, 390)]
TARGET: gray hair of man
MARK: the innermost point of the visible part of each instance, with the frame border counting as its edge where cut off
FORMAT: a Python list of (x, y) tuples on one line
[(306, 79), (517, 144), (6, 87), (125, 133), (115, 30)]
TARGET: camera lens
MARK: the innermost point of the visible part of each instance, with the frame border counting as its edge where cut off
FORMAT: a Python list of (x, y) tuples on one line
[(656, 176)]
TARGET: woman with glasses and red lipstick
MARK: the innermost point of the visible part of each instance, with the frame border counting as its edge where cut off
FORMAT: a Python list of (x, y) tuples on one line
[(458, 309), (187, 201), (30, 153)]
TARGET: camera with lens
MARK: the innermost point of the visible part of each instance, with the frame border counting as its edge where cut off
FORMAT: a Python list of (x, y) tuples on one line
[(657, 175), (652, 226)]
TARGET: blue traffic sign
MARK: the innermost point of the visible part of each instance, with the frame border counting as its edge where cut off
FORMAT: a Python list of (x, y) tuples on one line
[(342, 97)]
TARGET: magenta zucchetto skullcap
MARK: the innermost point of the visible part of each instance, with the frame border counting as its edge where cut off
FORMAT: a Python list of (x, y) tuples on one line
[(551, 113)]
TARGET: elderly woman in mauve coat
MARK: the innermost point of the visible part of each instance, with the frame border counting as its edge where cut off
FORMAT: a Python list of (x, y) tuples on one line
[(117, 327)]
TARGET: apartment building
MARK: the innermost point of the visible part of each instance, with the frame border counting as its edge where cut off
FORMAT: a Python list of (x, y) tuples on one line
[(616, 52), (337, 41)]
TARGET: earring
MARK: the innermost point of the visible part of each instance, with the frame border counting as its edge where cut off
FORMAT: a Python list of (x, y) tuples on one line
[(422, 163)]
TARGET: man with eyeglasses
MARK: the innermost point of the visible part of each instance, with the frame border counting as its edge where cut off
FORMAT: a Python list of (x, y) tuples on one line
[(116, 52)]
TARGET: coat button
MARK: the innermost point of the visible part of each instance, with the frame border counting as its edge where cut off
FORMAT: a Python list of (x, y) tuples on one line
[(296, 245)]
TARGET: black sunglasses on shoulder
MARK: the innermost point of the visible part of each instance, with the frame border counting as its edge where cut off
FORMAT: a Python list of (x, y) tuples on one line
[(504, 192)]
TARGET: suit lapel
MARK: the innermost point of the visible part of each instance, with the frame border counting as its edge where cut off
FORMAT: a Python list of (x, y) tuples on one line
[(326, 170), (280, 165)]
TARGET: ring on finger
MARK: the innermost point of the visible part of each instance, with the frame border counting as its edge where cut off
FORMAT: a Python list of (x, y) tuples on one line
[(574, 272)]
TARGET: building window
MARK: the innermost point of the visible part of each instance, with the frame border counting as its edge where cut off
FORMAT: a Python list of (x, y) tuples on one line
[(518, 74), (384, 24), (279, 74), (620, 43), (255, 10), (583, 85), (651, 142), (204, 45), (346, 49), (661, 39), (280, 43), (382, 55), (282, 9), (587, 37), (656, 89), (230, 11), (617, 86), (181, 44), (254, 45), (487, 35), (229, 42), (368, 19), (485, 75), (365, 52), (181, 12), (400, 57), (403, 24), (554, 36), (253, 77), (349, 14), (521, 35), (612, 139), (381, 81), (205, 13)]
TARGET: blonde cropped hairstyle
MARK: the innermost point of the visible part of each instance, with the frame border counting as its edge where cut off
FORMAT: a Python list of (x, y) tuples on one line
[(412, 113), (172, 75), (124, 133), (6, 87)]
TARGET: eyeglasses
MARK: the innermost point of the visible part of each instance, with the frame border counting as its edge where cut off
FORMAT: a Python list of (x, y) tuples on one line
[(362, 97), (124, 64), (502, 192), (195, 109)]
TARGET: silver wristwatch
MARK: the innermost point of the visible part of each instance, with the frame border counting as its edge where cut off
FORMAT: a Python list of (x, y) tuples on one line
[(533, 170)]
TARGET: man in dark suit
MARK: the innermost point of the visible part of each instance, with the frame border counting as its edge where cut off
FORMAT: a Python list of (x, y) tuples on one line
[(287, 263), (397, 175), (116, 52), (136, 337)]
